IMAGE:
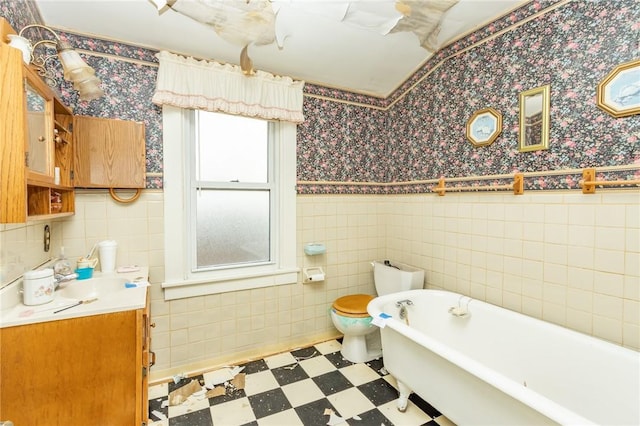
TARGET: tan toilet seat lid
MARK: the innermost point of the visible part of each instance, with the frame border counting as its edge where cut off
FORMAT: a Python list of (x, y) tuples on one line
[(353, 305)]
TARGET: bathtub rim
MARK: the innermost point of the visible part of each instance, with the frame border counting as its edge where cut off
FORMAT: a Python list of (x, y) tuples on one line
[(517, 391)]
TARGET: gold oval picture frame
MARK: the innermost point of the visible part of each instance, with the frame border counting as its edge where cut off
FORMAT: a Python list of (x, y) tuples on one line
[(619, 91), (484, 126)]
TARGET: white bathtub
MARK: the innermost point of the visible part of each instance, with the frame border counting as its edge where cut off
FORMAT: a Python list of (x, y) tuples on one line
[(494, 366)]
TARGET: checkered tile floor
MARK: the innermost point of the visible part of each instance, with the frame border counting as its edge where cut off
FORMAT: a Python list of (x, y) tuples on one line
[(296, 388)]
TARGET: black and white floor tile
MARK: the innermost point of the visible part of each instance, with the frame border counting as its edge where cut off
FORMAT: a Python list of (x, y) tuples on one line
[(299, 388)]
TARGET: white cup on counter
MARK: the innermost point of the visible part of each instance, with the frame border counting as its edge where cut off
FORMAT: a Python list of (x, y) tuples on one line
[(108, 250)]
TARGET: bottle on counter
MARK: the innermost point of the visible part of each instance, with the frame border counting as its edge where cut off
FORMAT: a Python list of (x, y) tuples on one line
[(62, 265)]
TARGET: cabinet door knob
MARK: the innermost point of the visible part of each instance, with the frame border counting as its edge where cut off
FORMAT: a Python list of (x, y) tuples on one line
[(41, 138), (153, 324)]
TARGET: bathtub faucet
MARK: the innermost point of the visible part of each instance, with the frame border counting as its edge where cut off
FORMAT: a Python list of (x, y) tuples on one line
[(402, 304), (405, 302)]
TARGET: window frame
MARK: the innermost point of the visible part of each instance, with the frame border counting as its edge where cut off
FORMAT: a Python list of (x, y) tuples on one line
[(180, 280)]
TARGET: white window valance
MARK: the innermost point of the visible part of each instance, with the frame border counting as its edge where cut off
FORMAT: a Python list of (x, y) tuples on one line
[(211, 86)]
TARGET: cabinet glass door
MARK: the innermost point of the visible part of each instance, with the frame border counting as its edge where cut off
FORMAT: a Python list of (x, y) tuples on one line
[(39, 131)]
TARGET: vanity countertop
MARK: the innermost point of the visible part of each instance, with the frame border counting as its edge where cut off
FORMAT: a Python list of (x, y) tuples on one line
[(108, 290)]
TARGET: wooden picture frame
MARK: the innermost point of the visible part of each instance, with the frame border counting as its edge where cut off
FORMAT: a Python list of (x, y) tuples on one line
[(619, 91), (484, 126)]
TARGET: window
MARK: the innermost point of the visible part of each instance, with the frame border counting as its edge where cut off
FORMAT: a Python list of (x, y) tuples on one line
[(229, 203), (231, 191)]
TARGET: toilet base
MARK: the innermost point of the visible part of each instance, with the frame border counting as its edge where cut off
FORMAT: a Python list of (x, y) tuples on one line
[(361, 348)]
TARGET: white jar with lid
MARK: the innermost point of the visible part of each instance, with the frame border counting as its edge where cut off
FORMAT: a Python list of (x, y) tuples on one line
[(38, 287)]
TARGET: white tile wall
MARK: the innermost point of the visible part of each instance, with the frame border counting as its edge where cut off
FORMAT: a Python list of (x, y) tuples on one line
[(22, 247), (568, 258)]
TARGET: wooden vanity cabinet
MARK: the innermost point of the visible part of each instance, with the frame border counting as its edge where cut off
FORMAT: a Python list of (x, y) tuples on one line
[(82, 371)]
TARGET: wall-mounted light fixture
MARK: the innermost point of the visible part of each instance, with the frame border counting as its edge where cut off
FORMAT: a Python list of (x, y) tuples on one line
[(75, 68)]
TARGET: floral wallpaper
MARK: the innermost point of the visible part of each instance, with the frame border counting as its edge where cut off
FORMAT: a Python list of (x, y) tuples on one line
[(572, 47), (338, 142), (20, 13), (349, 140)]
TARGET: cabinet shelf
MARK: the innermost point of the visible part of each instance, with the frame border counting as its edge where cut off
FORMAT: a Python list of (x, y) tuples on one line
[(31, 182), (63, 134), (50, 200), (38, 217), (60, 127)]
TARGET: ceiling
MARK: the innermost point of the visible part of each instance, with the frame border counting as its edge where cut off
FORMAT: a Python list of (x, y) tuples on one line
[(319, 49)]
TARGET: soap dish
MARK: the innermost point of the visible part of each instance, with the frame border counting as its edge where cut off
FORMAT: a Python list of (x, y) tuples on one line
[(313, 249)]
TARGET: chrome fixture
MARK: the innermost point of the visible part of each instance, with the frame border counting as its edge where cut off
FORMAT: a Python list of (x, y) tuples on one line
[(74, 67), (60, 278), (401, 303), (404, 314)]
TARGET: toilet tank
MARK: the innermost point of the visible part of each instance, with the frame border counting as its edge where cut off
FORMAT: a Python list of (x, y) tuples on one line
[(391, 277)]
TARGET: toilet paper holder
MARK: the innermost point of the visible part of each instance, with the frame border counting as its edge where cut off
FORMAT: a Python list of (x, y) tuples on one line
[(312, 275)]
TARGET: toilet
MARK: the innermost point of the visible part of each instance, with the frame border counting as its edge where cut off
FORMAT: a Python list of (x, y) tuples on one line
[(361, 342)]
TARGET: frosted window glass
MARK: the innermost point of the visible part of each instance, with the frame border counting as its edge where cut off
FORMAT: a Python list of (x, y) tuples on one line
[(232, 227), (232, 148)]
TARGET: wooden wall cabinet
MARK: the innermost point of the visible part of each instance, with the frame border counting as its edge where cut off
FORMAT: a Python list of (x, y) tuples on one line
[(45, 196), (13, 203), (79, 371), (40, 135), (109, 153), (35, 140), (39, 129)]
